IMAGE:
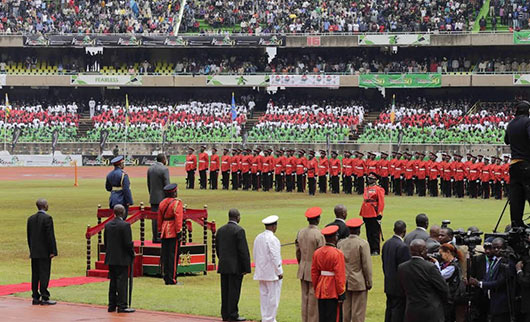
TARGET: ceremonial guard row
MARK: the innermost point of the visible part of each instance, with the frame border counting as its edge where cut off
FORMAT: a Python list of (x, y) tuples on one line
[(400, 173)]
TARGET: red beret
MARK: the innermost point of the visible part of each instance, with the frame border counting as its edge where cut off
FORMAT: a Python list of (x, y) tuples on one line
[(330, 230), (313, 212), (354, 222)]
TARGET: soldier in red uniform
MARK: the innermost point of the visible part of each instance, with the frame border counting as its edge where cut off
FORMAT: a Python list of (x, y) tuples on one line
[(459, 173), (506, 175), (372, 212), (421, 175), (485, 178), (398, 173), (225, 169), (347, 171), (409, 168), (203, 167), (328, 274), (170, 216), (301, 170), (392, 163), (246, 159), (279, 170), (290, 168), (371, 163), (480, 163), (447, 175), (234, 169), (191, 166), (497, 176), (214, 169), (383, 171), (255, 166), (433, 173), (467, 165), (323, 166), (268, 167), (334, 171), (473, 177), (312, 168), (359, 171)]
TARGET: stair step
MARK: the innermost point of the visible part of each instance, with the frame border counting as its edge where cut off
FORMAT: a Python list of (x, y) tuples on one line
[(98, 273), (101, 265)]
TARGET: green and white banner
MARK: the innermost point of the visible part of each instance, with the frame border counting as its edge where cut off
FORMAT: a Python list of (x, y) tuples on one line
[(106, 80), (305, 80), (400, 80), (521, 79), (238, 80), (521, 37), (396, 40)]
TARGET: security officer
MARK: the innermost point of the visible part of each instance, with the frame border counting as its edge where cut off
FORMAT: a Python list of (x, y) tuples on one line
[(191, 166), (372, 212), (118, 185), (203, 167), (170, 216), (334, 171)]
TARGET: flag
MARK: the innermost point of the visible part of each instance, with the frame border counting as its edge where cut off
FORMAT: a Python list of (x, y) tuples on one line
[(127, 110), (233, 109), (393, 111), (8, 108)]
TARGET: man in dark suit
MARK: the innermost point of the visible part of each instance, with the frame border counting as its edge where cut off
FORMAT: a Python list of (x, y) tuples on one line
[(234, 262), (422, 222), (340, 220), (395, 252), (480, 267), (119, 254), (157, 179), (495, 282), (42, 248), (423, 286)]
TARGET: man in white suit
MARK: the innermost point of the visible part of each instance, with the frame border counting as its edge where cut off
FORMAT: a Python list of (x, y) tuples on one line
[(269, 272)]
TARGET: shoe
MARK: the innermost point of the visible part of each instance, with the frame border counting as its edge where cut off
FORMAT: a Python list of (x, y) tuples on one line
[(111, 309), (157, 241), (48, 302), (241, 318), (35, 302), (127, 310), (375, 254)]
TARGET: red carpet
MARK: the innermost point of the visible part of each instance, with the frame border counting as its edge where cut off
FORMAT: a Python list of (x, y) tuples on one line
[(61, 282)]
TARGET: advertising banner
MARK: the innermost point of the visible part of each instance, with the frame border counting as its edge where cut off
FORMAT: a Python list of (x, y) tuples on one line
[(429, 80), (154, 40), (305, 80), (395, 40), (106, 80), (235, 80), (521, 79), (177, 160), (39, 160), (131, 160), (521, 37)]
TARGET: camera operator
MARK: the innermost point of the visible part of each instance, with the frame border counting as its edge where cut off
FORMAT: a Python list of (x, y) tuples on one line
[(495, 283), (518, 137), (480, 267), (450, 269)]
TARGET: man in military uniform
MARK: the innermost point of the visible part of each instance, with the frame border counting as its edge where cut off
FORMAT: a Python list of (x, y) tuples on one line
[(245, 168), (329, 277), (214, 169), (308, 240), (384, 172), (268, 167), (473, 176), (359, 171), (409, 173), (118, 185), (485, 177), (433, 170), (255, 168), (312, 168), (234, 169), (421, 175), (225, 169), (358, 272), (334, 171), (203, 167), (458, 169), (323, 166), (372, 212), (170, 216), (191, 166), (290, 167), (347, 171), (279, 170), (301, 170)]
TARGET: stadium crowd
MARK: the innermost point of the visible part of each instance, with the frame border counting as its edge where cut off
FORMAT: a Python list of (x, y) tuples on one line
[(425, 121), (308, 122), (184, 122), (513, 14), (36, 122)]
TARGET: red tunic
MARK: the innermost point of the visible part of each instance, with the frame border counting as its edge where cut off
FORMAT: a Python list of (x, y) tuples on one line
[(170, 215), (290, 165), (334, 167), (255, 164), (328, 272), (312, 167), (279, 164), (323, 165), (399, 168), (245, 163), (506, 172), (203, 161), (359, 167), (225, 163), (234, 163), (384, 168), (268, 163), (497, 172), (374, 202), (214, 162), (485, 174), (474, 171), (433, 169), (347, 168), (301, 165), (421, 169), (459, 170), (191, 162), (447, 171), (409, 166), (371, 166)]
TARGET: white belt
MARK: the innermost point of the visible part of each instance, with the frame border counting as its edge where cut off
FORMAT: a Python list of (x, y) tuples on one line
[(322, 167), (346, 166), (327, 273), (190, 162), (245, 163), (384, 168)]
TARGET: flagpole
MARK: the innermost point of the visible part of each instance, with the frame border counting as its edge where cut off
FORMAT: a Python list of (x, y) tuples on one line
[(126, 125), (232, 111), (6, 112), (392, 119)]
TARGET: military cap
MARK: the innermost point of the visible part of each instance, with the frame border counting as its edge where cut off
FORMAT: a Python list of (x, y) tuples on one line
[(354, 222), (270, 220), (384, 153), (170, 187), (330, 230), (313, 212), (117, 160)]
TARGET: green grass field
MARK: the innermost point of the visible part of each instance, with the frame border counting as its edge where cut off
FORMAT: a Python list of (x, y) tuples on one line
[(74, 208)]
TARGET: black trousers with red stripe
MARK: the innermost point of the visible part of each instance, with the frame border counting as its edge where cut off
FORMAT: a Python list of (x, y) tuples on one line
[(329, 310), (169, 258)]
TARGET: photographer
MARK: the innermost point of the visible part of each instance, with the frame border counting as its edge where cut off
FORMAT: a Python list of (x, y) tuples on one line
[(495, 283), (518, 137), (450, 269)]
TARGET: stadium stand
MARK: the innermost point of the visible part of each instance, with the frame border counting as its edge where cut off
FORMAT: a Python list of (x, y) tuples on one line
[(184, 122), (308, 123)]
